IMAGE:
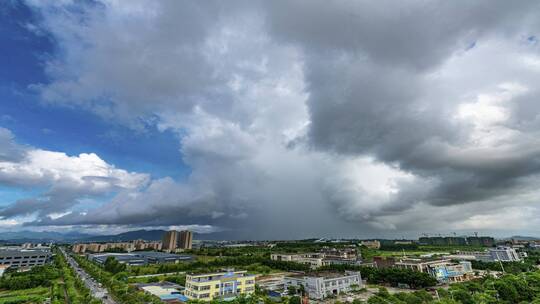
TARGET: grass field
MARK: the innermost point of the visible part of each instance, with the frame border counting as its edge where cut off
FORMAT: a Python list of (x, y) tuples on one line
[(33, 295)]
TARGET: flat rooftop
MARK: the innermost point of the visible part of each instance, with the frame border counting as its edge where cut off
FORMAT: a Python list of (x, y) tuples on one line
[(23, 252), (422, 260), (162, 255), (142, 255), (320, 274), (220, 273)]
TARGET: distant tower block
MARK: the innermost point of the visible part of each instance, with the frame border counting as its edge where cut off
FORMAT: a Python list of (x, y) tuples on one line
[(185, 239), (170, 241)]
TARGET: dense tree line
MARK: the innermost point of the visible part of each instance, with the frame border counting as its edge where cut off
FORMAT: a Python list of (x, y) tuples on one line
[(37, 276), (509, 289), (113, 266), (77, 292), (117, 284), (384, 297), (510, 267), (398, 247), (239, 261)]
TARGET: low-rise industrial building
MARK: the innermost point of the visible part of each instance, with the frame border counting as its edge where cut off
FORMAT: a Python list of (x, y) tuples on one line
[(444, 270), (500, 253), (504, 254), (314, 260), (323, 284), (166, 291), (220, 285), (140, 258), (327, 256), (24, 258)]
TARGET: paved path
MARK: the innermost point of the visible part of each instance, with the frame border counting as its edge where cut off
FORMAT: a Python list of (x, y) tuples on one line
[(96, 290)]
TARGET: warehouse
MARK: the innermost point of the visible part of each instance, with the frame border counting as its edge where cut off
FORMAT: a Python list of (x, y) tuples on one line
[(24, 257), (141, 258)]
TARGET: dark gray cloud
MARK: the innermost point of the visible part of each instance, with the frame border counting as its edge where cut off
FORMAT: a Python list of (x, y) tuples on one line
[(303, 118), (370, 70), (411, 34)]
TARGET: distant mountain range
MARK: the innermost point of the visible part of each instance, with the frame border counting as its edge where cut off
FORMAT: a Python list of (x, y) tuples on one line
[(149, 235), (46, 236)]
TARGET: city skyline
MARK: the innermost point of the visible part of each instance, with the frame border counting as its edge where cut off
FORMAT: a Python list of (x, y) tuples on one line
[(270, 119)]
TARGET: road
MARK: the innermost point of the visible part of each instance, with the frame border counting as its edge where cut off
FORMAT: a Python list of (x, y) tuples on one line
[(96, 290)]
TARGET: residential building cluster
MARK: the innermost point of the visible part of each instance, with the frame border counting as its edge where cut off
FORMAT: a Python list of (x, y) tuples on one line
[(174, 240), (224, 285), (486, 241), (140, 258), (327, 256), (124, 246)]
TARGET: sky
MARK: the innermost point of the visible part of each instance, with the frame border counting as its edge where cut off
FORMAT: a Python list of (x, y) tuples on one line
[(270, 119)]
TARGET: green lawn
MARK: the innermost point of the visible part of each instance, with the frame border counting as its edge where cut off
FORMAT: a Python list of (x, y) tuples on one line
[(32, 295)]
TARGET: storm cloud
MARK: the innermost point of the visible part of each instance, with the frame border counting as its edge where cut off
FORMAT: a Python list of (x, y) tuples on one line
[(304, 118)]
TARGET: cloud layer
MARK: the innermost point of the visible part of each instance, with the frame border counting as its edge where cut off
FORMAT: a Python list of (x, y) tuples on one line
[(302, 118)]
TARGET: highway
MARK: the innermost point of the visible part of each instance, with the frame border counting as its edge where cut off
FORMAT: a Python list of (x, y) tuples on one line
[(96, 290)]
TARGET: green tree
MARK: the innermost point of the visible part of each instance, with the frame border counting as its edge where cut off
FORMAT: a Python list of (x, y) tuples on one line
[(291, 290), (462, 296), (113, 266), (295, 300)]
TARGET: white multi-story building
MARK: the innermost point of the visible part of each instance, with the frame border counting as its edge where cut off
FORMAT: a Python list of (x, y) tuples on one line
[(504, 254), (314, 260), (326, 257), (323, 284)]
